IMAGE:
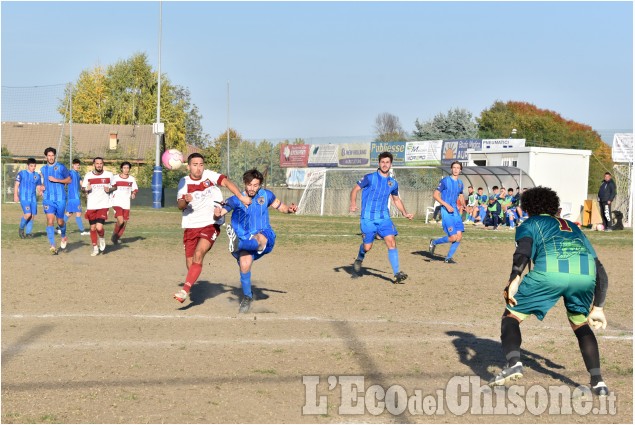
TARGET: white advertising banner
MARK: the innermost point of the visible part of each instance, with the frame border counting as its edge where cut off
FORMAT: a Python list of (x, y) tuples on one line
[(502, 144), (622, 150), (426, 152), (297, 178)]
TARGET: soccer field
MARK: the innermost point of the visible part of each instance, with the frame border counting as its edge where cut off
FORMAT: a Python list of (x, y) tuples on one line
[(101, 340)]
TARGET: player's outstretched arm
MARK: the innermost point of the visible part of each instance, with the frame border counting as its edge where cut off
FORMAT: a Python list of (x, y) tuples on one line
[(283, 208), (219, 212), (400, 206), (353, 206), (246, 200)]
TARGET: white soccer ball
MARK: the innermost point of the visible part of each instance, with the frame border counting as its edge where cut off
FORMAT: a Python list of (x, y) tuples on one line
[(599, 227), (172, 159)]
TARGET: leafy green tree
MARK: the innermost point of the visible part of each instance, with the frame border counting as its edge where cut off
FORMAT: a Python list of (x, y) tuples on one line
[(388, 128), (542, 127), (456, 124)]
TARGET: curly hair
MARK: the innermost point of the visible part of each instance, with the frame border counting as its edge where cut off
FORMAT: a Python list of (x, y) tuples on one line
[(540, 200), (252, 174)]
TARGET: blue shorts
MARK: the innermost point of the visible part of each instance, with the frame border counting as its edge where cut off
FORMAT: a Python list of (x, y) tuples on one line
[(382, 227), (452, 223), (538, 292), (271, 241), (29, 207), (56, 208), (74, 206)]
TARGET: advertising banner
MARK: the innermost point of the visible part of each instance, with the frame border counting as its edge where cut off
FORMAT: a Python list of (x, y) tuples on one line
[(354, 155), (294, 155), (622, 150), (503, 144), (456, 150), (426, 152), (397, 149), (323, 156), (297, 178)]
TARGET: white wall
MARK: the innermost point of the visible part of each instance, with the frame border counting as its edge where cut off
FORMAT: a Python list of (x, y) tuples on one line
[(564, 170)]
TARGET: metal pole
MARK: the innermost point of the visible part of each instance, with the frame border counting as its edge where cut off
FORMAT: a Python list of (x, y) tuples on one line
[(157, 175), (227, 128), (70, 131)]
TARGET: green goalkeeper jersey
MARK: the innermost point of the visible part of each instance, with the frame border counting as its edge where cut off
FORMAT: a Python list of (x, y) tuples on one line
[(559, 246)]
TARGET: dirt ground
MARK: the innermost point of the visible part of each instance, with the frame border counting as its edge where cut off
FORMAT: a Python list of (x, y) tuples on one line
[(100, 339)]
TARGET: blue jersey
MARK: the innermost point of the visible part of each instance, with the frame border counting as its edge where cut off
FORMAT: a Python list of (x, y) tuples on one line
[(74, 185), (253, 219), (29, 181), (376, 190), (54, 191), (450, 190)]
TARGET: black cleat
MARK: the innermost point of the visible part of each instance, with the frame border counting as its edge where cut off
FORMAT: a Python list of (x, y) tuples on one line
[(449, 261), (114, 239), (600, 389), (357, 267), (245, 305), (21, 233), (431, 247), (400, 278)]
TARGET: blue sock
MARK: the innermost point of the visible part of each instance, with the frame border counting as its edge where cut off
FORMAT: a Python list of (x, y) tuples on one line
[(50, 234), (22, 222), (441, 240), (361, 254), (453, 248), (63, 230), (245, 282), (66, 217), (80, 225), (29, 226), (393, 257), (248, 244)]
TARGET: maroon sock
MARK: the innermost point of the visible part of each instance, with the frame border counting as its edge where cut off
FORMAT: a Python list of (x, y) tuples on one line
[(192, 275)]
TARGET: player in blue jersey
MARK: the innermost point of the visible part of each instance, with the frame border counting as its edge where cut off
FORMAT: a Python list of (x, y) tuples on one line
[(250, 233), (565, 266), (55, 177), (377, 188), (450, 194), (74, 202), (28, 184)]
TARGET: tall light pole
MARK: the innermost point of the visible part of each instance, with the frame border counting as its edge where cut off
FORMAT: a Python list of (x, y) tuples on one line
[(158, 129), (228, 129)]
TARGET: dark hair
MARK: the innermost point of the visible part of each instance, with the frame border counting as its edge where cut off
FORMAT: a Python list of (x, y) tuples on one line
[(31, 161), (480, 188), (125, 163), (96, 158), (456, 162), (194, 155), (47, 150), (540, 200), (384, 155), (494, 188), (252, 174), (510, 190), (76, 161), (470, 187), (608, 174)]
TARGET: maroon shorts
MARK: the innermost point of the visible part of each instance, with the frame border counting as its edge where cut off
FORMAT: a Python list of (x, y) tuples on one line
[(191, 237), (96, 216), (120, 212)]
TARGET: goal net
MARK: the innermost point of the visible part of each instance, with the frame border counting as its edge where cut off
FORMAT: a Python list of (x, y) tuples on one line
[(623, 174), (328, 190)]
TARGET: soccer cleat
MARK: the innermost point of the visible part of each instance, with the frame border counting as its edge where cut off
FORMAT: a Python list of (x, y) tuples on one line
[(53, 250), (114, 239), (29, 235), (357, 266), (233, 240), (507, 375), (95, 251), (64, 242), (431, 247), (181, 296), (600, 389), (400, 277), (245, 305), (58, 230), (102, 244), (85, 233), (449, 261), (21, 233)]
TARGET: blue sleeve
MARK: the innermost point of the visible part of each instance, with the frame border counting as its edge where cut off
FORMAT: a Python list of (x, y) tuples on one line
[(18, 176), (270, 196), (231, 203), (395, 189), (461, 187), (64, 172), (365, 181), (441, 185)]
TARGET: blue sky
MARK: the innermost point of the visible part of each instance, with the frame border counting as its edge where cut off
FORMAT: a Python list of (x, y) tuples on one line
[(327, 69)]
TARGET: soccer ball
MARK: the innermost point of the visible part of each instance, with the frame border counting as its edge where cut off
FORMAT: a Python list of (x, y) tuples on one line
[(172, 159), (599, 227)]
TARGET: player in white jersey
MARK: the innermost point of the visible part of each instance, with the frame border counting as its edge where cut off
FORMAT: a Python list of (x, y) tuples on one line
[(124, 189), (197, 194), (97, 185)]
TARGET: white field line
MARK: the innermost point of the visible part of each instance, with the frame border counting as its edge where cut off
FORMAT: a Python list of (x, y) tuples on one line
[(267, 317)]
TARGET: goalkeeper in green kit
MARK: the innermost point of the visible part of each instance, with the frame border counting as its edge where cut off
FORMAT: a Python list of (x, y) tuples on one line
[(566, 266)]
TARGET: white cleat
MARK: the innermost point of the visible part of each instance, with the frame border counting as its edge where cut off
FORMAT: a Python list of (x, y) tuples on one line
[(64, 242), (85, 233), (95, 251)]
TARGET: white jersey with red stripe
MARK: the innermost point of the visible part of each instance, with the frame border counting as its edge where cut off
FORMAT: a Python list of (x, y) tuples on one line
[(97, 198), (126, 186), (206, 194)]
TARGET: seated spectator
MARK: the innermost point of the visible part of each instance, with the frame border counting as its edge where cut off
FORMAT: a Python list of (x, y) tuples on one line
[(494, 212), (480, 211)]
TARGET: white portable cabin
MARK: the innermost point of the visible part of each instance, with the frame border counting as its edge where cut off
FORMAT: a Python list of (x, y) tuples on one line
[(564, 170)]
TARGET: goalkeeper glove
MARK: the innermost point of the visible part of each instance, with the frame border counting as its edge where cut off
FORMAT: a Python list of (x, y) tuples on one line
[(596, 318), (510, 291)]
